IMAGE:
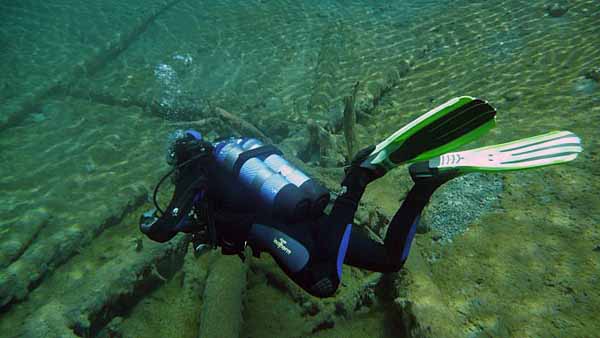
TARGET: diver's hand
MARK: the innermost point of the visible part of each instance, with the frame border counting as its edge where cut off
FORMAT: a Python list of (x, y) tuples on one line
[(151, 225), (359, 175), (147, 221)]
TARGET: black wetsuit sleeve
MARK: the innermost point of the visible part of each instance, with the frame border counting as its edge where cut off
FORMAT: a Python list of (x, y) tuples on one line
[(233, 229)]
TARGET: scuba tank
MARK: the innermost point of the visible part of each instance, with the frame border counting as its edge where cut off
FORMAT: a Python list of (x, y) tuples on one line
[(316, 193), (281, 189)]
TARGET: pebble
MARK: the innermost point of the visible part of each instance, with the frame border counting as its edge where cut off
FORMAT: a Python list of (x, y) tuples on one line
[(423, 228), (593, 74), (513, 96), (557, 10), (139, 244), (341, 309), (368, 299), (38, 117), (114, 327), (310, 308), (585, 85), (459, 204)]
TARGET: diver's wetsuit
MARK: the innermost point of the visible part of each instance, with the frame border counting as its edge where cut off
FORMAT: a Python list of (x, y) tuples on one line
[(312, 253)]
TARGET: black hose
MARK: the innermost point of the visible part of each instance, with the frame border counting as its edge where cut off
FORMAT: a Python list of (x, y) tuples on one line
[(158, 209)]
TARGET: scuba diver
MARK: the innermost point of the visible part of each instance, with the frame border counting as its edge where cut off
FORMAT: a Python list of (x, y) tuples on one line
[(240, 192)]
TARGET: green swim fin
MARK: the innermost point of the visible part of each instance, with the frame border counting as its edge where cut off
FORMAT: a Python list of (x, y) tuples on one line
[(445, 128), (538, 151)]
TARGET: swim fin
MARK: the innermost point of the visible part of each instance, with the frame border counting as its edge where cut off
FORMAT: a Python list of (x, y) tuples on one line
[(533, 152), (445, 128)]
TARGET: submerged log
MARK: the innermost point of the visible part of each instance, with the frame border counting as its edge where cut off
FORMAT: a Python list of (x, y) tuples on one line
[(240, 124), (108, 292), (325, 91), (223, 298), (350, 122), (420, 304), (322, 313), (317, 142), (20, 235), (23, 275)]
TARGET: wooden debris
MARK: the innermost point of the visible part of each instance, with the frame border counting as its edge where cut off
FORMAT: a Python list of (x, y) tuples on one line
[(223, 298), (115, 286), (321, 313), (420, 304), (350, 122), (240, 124), (23, 275), (196, 124), (21, 234)]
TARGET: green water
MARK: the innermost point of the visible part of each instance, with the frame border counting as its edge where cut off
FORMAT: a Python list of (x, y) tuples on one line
[(90, 91)]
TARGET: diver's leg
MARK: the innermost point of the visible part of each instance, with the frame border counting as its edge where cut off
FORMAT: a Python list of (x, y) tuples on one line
[(334, 231), (403, 226), (336, 237), (366, 253)]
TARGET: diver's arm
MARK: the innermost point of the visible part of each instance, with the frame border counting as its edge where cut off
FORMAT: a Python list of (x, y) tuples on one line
[(346, 204), (192, 160), (353, 187), (232, 230)]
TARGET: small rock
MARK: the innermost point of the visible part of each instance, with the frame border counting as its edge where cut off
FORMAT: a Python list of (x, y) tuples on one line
[(114, 327), (362, 216), (8, 250), (341, 309), (310, 308), (593, 74), (82, 324), (436, 235), (368, 298), (513, 96), (557, 9), (89, 167), (38, 117), (139, 244), (584, 85), (324, 325), (476, 302), (423, 227)]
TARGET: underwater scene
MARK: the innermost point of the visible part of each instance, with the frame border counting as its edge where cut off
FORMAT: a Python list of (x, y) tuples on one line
[(278, 168)]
